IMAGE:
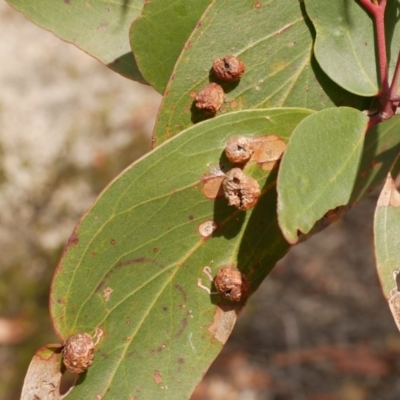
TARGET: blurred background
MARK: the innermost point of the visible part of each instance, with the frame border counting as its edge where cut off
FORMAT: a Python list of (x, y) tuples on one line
[(318, 328)]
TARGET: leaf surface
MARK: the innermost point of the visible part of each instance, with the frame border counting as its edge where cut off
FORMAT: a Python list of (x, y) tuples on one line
[(100, 28), (159, 34), (319, 168), (274, 41), (131, 267), (345, 43), (387, 235)]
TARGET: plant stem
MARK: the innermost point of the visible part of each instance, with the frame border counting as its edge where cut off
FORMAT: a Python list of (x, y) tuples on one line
[(377, 10)]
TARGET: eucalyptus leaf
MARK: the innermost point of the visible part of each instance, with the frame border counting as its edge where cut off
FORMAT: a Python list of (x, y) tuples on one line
[(274, 41), (345, 43), (387, 235), (319, 168), (159, 34), (131, 266), (100, 28)]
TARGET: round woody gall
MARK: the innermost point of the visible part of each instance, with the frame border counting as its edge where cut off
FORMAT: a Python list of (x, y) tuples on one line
[(231, 284), (78, 351), (238, 150), (241, 190), (228, 68), (210, 98)]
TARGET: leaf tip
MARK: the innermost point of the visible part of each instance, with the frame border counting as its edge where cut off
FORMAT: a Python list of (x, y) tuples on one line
[(389, 195)]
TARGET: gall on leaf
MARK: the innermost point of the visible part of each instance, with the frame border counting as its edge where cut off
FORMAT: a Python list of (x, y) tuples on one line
[(230, 283), (78, 351), (238, 149), (210, 98), (228, 68), (240, 190)]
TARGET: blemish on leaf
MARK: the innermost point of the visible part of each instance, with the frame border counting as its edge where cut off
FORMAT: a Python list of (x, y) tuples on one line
[(155, 250), (165, 308), (107, 293), (159, 349), (223, 322), (157, 377), (191, 217), (182, 292), (112, 241), (207, 228), (257, 4), (212, 187), (73, 240), (93, 254), (182, 328), (267, 149)]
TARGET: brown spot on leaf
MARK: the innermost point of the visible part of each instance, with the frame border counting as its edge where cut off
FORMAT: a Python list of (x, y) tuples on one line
[(223, 322), (212, 187), (157, 377), (112, 241), (267, 149), (182, 292), (257, 4), (155, 250), (182, 328)]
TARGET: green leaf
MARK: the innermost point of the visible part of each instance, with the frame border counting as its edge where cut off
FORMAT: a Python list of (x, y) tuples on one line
[(345, 43), (99, 28), (158, 36), (131, 267), (275, 43), (319, 168), (387, 235), (380, 152)]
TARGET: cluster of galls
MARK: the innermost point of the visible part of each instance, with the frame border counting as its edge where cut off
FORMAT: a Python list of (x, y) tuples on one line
[(241, 191), (226, 69)]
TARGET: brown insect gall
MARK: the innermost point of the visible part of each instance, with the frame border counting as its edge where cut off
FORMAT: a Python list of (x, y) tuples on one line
[(210, 98), (238, 150), (231, 284), (78, 351), (228, 68), (241, 190)]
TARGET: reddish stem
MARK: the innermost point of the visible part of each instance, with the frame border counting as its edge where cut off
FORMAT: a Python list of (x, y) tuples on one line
[(378, 14)]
